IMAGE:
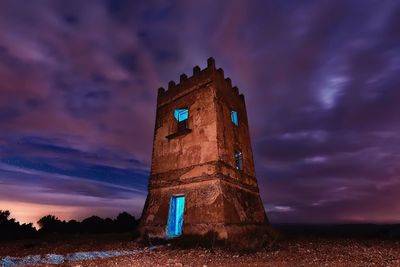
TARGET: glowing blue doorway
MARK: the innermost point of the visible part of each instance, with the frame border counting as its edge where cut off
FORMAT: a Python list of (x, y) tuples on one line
[(175, 216)]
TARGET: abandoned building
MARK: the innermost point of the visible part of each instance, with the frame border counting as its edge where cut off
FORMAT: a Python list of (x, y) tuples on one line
[(202, 176)]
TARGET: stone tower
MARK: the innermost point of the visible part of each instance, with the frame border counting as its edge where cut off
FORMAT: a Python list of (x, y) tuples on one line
[(202, 171)]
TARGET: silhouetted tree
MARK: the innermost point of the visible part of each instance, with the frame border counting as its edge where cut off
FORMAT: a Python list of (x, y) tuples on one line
[(126, 222), (4, 217), (11, 229), (93, 224), (51, 224), (73, 226)]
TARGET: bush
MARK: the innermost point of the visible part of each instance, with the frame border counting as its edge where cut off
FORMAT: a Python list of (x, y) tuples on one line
[(11, 229), (94, 224)]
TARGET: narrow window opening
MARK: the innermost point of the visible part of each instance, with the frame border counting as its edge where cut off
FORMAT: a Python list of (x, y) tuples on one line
[(238, 160), (180, 124), (182, 115), (234, 117)]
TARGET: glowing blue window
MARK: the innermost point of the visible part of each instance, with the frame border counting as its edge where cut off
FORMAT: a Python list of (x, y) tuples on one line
[(234, 117), (175, 216), (181, 114)]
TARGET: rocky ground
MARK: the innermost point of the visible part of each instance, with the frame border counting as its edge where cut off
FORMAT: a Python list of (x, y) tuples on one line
[(296, 251), (287, 253)]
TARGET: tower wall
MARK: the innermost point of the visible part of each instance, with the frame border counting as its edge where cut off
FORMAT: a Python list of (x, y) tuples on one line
[(195, 147), (199, 161), (231, 136)]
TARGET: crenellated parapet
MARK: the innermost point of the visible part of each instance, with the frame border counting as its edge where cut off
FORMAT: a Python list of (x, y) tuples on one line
[(199, 77)]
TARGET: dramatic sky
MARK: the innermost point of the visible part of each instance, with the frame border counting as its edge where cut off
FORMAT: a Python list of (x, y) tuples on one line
[(78, 83)]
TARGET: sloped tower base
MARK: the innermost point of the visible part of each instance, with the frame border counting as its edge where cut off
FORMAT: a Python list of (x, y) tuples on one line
[(234, 214)]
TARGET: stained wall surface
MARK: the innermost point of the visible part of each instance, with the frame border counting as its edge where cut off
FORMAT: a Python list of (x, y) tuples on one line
[(197, 146), (198, 162)]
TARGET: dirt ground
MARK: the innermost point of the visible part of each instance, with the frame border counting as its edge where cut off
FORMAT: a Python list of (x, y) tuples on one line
[(289, 252)]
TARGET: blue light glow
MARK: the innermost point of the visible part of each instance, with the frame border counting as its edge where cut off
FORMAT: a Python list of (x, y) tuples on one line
[(234, 117), (181, 114), (175, 217)]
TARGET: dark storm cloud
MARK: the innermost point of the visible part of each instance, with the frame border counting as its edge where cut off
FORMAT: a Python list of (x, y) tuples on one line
[(84, 98), (78, 84), (9, 113), (323, 103)]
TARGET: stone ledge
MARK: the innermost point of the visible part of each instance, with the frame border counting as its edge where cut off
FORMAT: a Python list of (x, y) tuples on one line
[(178, 172), (217, 177), (179, 133)]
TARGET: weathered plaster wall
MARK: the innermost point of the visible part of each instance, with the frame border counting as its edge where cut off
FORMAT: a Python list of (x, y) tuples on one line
[(198, 146), (200, 163), (203, 205), (230, 136)]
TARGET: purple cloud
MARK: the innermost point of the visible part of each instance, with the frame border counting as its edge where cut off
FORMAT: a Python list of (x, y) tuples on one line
[(78, 87)]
